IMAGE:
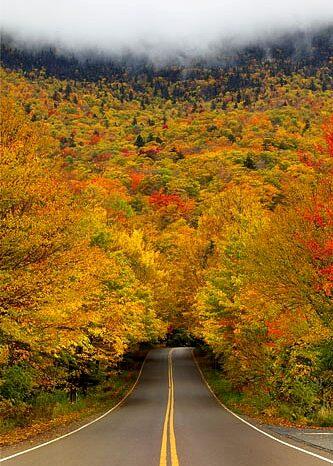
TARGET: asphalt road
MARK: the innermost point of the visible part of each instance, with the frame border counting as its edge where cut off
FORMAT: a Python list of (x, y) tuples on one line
[(171, 419)]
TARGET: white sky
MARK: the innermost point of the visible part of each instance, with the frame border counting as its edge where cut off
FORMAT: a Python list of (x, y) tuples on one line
[(155, 25)]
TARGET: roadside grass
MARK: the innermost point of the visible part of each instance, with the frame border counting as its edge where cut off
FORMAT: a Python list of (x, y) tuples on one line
[(260, 405), (324, 417), (53, 410)]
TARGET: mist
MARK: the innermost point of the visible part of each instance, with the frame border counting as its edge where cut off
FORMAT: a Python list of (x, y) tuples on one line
[(155, 28)]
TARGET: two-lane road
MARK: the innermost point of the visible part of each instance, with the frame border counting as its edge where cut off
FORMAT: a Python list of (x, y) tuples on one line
[(171, 419)]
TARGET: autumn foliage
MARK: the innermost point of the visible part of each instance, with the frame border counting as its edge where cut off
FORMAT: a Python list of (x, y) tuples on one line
[(126, 210)]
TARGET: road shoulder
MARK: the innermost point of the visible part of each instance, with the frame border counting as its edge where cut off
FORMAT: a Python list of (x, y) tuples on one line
[(56, 432), (316, 441)]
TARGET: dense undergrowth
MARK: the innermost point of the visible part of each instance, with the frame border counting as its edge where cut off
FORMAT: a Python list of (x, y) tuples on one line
[(37, 412), (261, 405)]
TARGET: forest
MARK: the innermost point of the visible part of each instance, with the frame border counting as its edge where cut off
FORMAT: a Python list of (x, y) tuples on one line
[(147, 200)]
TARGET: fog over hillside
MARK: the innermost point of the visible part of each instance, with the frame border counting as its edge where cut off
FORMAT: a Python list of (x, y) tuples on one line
[(159, 30)]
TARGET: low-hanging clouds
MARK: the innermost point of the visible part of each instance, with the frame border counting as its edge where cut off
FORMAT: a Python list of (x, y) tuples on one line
[(158, 27)]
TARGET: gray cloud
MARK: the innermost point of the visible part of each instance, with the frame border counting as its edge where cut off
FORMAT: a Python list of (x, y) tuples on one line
[(158, 27)]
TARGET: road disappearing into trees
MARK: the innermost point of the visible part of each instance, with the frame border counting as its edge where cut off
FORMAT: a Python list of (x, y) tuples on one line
[(170, 419)]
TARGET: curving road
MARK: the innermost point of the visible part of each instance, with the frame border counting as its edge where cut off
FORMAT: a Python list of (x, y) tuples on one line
[(171, 419)]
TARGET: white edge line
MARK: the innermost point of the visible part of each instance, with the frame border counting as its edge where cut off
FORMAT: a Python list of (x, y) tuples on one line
[(82, 427), (251, 425)]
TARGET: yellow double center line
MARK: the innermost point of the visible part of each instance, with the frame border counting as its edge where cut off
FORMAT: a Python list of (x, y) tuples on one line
[(168, 427)]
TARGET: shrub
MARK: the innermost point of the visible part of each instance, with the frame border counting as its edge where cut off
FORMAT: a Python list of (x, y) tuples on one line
[(17, 383)]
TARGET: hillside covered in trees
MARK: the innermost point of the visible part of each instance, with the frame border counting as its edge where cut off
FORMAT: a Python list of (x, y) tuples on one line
[(139, 200)]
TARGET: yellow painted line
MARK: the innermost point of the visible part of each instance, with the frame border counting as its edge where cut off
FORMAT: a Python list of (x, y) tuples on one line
[(164, 446), (173, 446), (168, 426)]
